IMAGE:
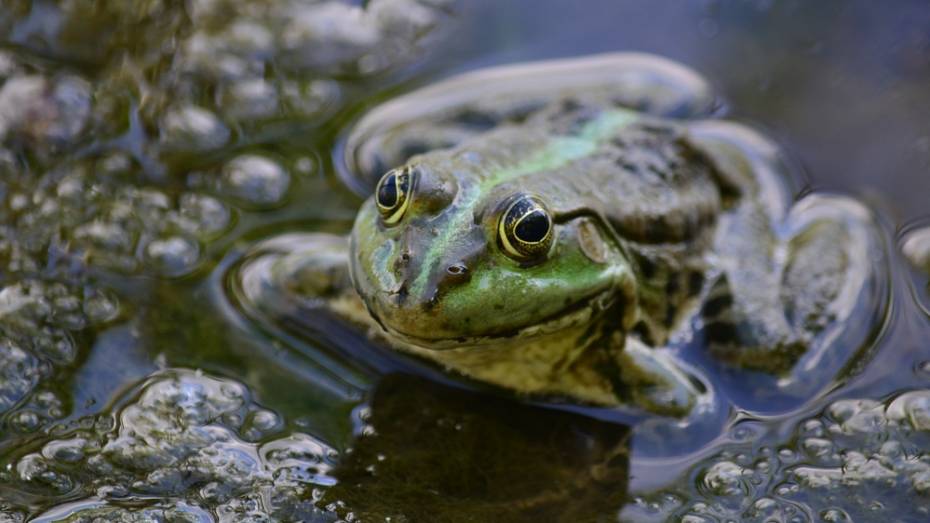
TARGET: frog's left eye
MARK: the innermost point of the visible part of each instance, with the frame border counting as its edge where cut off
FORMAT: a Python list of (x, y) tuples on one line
[(393, 194), (525, 229)]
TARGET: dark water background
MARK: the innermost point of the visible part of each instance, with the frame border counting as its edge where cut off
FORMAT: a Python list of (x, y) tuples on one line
[(843, 86)]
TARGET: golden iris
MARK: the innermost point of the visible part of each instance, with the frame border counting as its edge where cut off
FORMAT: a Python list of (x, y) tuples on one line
[(525, 229), (393, 194)]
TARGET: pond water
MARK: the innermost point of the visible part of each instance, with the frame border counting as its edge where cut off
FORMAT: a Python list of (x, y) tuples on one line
[(147, 147)]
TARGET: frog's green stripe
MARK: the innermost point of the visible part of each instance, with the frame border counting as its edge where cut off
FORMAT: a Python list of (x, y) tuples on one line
[(558, 152)]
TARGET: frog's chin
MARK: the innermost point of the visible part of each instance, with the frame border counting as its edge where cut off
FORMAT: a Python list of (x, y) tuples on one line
[(575, 319)]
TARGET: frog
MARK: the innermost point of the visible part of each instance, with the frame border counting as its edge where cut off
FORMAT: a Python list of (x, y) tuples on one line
[(556, 229)]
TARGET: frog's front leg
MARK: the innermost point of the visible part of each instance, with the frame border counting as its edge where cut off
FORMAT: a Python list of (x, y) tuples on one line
[(655, 381), (621, 370)]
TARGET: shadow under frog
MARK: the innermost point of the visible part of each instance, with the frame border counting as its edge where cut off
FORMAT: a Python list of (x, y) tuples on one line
[(582, 231), (434, 453)]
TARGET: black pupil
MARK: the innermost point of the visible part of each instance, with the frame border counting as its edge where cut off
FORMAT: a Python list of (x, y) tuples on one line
[(533, 227), (387, 192)]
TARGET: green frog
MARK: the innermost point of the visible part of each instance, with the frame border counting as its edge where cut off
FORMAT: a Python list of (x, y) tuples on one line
[(557, 228)]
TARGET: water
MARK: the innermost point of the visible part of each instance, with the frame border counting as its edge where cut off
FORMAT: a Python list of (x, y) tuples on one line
[(148, 147)]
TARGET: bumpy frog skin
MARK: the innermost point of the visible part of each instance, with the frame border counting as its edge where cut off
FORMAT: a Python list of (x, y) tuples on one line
[(548, 228)]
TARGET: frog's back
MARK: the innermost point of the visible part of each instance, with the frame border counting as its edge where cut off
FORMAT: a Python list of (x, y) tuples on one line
[(652, 194), (640, 174)]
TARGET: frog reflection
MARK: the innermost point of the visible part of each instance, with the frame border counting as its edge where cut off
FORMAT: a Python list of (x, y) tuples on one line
[(435, 453)]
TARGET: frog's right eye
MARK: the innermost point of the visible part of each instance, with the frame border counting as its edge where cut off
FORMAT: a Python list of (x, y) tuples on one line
[(393, 194), (525, 229)]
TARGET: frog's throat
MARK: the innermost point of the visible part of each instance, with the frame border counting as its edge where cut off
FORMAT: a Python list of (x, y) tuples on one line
[(551, 358), (580, 316)]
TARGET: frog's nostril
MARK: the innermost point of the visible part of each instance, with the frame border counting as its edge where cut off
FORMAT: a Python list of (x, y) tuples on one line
[(457, 269), (402, 262), (456, 273)]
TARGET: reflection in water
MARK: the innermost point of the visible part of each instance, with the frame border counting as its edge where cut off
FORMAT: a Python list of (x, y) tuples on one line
[(432, 453)]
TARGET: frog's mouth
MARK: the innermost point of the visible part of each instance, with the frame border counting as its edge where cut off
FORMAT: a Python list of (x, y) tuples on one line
[(584, 313)]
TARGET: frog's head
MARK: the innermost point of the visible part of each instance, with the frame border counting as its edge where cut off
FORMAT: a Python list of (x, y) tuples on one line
[(445, 255)]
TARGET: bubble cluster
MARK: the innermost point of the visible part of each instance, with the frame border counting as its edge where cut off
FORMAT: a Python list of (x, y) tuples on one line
[(120, 151), (857, 459), (184, 435), (40, 328), (44, 112), (84, 214)]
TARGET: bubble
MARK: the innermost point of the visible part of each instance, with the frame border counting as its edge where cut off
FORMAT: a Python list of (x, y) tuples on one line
[(100, 307), (192, 128), (45, 112), (817, 447), (858, 416), (104, 235), (250, 98), (264, 420), (814, 477), (835, 515), (913, 407), (66, 450), (724, 479), (326, 34), (19, 374), (174, 256), (915, 246), (311, 98), (25, 421), (255, 180), (202, 215)]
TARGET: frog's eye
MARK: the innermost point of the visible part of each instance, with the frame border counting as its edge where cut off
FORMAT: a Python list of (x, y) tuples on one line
[(525, 229), (393, 194)]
